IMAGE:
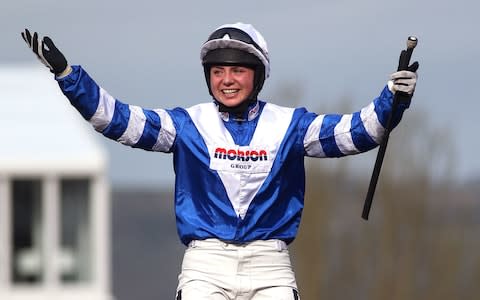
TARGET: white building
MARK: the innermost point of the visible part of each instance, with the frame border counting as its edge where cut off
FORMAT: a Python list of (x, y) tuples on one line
[(54, 194)]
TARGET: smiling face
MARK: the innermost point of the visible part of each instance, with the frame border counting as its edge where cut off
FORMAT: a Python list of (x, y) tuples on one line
[(231, 85)]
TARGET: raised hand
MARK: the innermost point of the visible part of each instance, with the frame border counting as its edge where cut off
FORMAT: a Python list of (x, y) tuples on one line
[(46, 52), (404, 81)]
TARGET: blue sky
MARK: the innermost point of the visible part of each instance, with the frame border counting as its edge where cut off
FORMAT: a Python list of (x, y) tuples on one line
[(147, 53)]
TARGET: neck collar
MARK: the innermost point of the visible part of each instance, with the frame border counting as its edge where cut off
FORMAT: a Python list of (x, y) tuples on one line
[(248, 114)]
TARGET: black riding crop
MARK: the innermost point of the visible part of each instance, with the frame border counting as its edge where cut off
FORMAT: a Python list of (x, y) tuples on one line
[(403, 63)]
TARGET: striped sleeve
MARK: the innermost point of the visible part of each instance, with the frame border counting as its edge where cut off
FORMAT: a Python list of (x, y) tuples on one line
[(334, 135), (130, 125)]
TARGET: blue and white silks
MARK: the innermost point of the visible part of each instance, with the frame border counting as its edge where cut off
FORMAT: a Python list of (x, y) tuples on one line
[(235, 181)]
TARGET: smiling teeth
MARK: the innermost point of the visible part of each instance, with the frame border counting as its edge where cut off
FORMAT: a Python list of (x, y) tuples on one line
[(229, 91)]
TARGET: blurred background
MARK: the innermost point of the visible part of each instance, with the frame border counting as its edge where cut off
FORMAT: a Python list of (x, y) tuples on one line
[(421, 241)]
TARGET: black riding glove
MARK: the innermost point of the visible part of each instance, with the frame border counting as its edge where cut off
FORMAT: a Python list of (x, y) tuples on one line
[(47, 53)]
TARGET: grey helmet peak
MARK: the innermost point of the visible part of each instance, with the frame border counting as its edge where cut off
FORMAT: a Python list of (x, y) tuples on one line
[(238, 36)]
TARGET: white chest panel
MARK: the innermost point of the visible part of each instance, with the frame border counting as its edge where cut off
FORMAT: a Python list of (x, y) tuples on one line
[(242, 169)]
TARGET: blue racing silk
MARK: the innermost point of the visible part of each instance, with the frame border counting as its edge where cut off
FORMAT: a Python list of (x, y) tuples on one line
[(237, 181)]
